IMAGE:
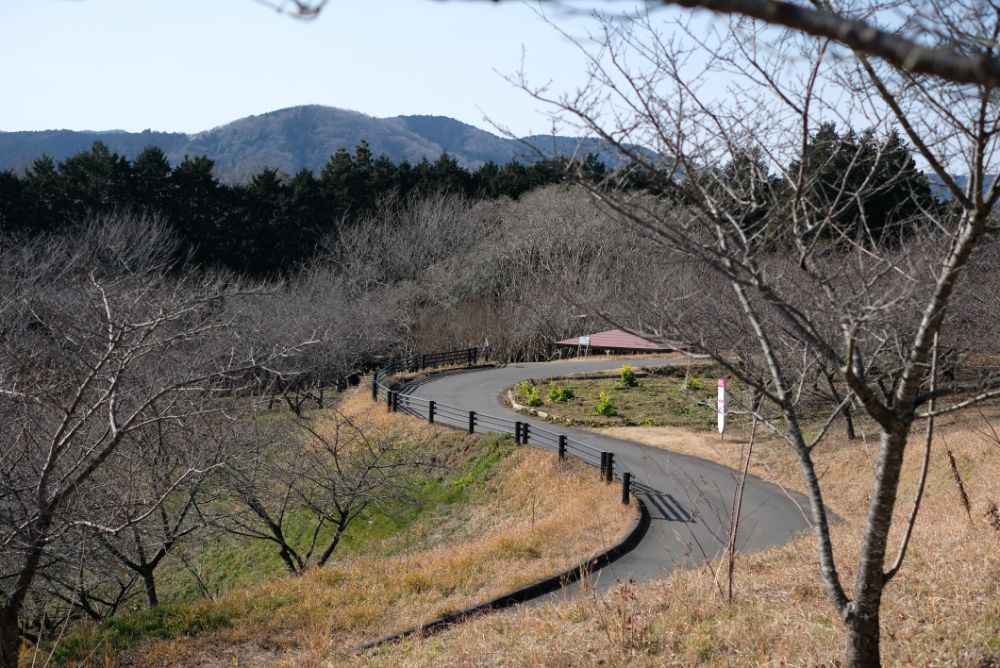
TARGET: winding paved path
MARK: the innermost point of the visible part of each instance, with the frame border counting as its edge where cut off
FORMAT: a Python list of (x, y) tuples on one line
[(689, 499)]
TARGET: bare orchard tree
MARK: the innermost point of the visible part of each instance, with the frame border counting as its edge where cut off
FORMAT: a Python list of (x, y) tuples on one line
[(157, 480), (903, 38), (78, 583), (911, 39), (822, 274), (302, 492), (104, 338)]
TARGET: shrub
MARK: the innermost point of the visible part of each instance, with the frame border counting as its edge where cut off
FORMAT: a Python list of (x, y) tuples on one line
[(559, 394), (531, 396), (628, 378), (692, 384), (605, 408)]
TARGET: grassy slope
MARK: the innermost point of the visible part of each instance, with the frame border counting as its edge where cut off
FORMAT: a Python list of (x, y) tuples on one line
[(942, 609), (499, 519)]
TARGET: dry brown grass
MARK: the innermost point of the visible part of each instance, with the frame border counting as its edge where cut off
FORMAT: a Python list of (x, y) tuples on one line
[(539, 517), (942, 609)]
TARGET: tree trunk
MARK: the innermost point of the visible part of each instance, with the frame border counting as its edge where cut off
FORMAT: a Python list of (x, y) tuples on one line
[(10, 639), (150, 582), (846, 410), (863, 641), (291, 562), (849, 423), (862, 620), (341, 525)]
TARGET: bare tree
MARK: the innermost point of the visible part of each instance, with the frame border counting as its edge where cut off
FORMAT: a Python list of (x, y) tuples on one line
[(814, 281), (302, 493), (105, 338), (157, 481)]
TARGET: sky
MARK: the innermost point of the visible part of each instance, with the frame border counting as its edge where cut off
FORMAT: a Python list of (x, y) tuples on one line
[(190, 65)]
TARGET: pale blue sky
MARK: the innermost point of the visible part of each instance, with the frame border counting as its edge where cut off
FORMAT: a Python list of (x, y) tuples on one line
[(189, 65)]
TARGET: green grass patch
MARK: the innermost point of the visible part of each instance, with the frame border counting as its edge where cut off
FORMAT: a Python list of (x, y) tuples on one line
[(231, 562), (666, 398)]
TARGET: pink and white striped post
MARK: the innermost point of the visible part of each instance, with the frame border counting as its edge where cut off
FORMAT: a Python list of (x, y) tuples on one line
[(722, 407)]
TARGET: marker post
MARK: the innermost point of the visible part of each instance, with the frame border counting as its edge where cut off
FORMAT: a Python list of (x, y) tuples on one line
[(722, 408)]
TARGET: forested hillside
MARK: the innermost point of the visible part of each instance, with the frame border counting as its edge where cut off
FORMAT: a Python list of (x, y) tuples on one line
[(268, 226)]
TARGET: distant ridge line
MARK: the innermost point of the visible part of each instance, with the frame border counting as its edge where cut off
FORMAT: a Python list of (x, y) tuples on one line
[(304, 137)]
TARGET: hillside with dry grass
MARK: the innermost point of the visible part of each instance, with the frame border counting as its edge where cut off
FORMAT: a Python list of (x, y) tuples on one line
[(528, 517), (942, 609)]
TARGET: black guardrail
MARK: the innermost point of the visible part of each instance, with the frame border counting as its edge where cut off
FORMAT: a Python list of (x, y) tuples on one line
[(475, 422)]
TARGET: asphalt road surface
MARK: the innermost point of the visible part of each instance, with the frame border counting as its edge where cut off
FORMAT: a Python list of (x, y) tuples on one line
[(689, 499)]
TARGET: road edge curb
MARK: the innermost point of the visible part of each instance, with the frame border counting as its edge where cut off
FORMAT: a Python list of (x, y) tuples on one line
[(534, 590)]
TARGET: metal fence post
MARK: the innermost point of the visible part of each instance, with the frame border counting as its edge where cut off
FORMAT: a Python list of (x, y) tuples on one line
[(562, 446), (604, 464), (626, 487), (517, 432), (388, 400), (430, 411), (375, 387), (525, 433), (472, 422), (611, 468)]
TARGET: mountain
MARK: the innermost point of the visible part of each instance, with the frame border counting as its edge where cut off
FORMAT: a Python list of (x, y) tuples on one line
[(467, 143), (19, 149), (301, 137), (942, 192)]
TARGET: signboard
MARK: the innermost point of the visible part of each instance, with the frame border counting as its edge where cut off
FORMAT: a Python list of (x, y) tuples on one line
[(584, 341), (722, 406)]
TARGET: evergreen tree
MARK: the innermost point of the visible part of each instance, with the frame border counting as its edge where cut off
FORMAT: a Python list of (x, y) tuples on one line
[(151, 180), (95, 181), (46, 209), (751, 192), (446, 175), (197, 206), (485, 181), (12, 203), (335, 180), (384, 179), (266, 236), (838, 166)]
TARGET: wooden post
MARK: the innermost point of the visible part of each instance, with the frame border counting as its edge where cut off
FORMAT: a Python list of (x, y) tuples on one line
[(610, 472), (388, 400), (517, 433), (562, 446), (472, 422), (626, 487), (375, 387), (430, 412), (525, 433), (604, 464)]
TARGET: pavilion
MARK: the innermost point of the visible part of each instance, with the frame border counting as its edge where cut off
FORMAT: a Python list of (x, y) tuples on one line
[(622, 342)]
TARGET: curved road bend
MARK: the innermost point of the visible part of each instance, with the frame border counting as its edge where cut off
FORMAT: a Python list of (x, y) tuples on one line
[(689, 499)]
